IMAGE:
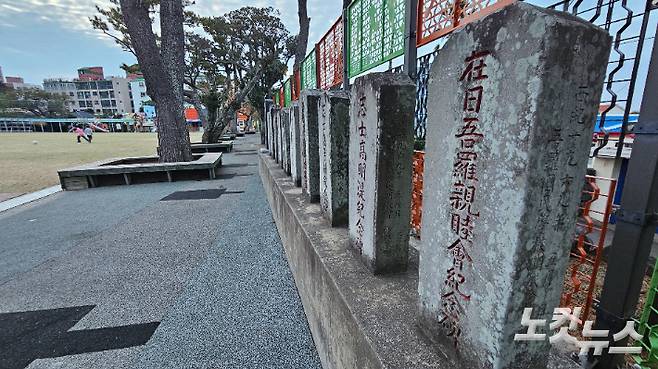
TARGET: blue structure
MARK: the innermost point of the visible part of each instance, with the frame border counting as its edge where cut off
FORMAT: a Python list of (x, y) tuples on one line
[(613, 122)]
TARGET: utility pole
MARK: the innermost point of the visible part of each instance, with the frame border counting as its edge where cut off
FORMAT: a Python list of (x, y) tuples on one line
[(636, 222), (410, 51)]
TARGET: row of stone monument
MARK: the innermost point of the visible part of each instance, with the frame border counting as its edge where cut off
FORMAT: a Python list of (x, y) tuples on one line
[(512, 100)]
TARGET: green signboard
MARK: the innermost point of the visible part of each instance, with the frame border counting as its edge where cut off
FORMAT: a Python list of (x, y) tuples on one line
[(376, 33), (287, 93), (309, 76)]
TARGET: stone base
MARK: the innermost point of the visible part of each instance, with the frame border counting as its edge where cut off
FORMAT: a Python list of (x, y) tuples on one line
[(137, 170), (358, 320), (224, 146)]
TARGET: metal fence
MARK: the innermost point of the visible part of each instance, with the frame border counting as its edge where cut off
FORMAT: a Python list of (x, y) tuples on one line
[(587, 249), (627, 23), (376, 33), (287, 93), (309, 72), (437, 18), (648, 326), (330, 57)]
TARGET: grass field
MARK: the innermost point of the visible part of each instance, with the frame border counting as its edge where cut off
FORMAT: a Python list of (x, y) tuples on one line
[(29, 161)]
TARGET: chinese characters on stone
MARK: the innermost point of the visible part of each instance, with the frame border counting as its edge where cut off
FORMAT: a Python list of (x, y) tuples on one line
[(562, 316), (361, 180), (463, 193)]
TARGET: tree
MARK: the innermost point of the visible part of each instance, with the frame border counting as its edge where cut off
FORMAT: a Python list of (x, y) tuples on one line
[(238, 58), (31, 102), (245, 53), (302, 38), (162, 63), (131, 69)]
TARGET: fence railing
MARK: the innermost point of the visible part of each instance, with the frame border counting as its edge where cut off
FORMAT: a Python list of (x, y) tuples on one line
[(329, 53), (309, 70), (417, 192), (648, 326), (437, 18), (376, 33), (587, 249), (287, 93)]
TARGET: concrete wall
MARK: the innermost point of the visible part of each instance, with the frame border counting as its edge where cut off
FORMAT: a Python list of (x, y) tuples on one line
[(358, 320)]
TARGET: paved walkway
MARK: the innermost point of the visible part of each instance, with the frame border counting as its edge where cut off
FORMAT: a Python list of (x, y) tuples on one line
[(116, 278)]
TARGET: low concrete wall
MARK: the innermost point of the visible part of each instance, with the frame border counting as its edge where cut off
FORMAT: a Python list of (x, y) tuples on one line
[(358, 320)]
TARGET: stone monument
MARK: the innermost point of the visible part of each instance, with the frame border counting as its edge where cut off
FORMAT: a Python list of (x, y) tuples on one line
[(295, 145), (380, 157), (334, 121), (512, 100), (309, 101)]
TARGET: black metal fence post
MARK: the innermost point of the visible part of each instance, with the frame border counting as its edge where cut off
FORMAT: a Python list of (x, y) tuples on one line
[(346, 52), (636, 222), (410, 50)]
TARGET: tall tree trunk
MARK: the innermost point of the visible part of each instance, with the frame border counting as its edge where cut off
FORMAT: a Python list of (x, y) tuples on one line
[(224, 115), (163, 71), (302, 38)]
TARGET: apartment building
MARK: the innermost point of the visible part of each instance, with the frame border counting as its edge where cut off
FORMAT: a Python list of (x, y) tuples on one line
[(139, 96), (62, 87), (110, 95)]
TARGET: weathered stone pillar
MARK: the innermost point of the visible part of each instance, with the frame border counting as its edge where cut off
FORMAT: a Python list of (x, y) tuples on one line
[(381, 147), (270, 130), (277, 136), (334, 121), (285, 140), (511, 104), (309, 101), (264, 133), (295, 145)]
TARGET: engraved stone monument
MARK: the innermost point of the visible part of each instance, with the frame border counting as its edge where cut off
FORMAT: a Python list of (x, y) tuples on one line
[(380, 156), (333, 151), (512, 100)]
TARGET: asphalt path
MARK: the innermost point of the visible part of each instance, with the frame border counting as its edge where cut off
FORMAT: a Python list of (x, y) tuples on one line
[(115, 277)]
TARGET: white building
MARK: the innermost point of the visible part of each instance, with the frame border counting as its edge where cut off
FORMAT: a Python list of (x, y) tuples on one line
[(139, 96), (62, 87), (108, 96)]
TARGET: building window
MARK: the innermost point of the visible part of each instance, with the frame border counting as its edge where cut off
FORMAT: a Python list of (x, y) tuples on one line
[(71, 94), (81, 95), (87, 95), (104, 85), (94, 93), (112, 94), (96, 102), (104, 94), (143, 94), (113, 102), (82, 104)]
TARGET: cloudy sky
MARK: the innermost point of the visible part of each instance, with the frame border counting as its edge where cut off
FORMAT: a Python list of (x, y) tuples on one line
[(53, 38)]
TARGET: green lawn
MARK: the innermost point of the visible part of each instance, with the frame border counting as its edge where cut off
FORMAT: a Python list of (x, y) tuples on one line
[(29, 161)]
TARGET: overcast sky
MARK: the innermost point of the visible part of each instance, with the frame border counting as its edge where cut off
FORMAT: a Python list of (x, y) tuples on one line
[(53, 38)]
